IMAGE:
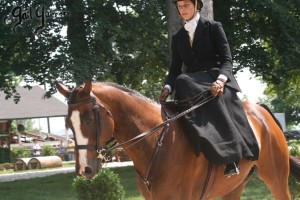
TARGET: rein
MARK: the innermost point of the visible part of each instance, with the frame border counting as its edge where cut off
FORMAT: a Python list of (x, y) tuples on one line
[(145, 134)]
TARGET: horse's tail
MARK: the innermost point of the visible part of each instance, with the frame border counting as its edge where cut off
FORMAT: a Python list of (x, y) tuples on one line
[(268, 109), (295, 167)]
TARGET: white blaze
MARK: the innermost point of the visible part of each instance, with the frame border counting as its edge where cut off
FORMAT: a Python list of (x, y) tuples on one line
[(80, 139)]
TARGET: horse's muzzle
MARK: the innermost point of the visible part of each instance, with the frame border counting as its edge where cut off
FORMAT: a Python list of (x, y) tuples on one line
[(89, 171)]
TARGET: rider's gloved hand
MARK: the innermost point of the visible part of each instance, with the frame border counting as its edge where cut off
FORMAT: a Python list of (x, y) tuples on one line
[(163, 95), (217, 87)]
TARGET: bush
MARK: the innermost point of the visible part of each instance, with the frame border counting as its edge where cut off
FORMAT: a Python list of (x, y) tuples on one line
[(294, 148), (48, 150), (105, 186), (294, 188), (19, 152)]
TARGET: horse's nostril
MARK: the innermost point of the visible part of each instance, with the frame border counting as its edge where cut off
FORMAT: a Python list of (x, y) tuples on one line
[(88, 170)]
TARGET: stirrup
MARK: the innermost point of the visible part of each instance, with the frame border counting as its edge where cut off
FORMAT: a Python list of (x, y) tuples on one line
[(232, 169)]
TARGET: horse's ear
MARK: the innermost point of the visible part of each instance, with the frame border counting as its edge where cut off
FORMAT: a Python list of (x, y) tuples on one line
[(88, 86), (62, 89)]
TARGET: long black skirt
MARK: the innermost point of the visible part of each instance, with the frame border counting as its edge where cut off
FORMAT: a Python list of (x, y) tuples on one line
[(220, 128)]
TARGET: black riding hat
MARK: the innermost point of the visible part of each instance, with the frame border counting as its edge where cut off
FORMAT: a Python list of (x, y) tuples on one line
[(199, 2)]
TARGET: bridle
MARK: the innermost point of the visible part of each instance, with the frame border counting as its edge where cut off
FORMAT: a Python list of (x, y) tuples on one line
[(96, 108)]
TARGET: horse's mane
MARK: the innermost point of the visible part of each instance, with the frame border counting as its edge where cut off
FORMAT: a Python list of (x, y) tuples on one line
[(128, 90)]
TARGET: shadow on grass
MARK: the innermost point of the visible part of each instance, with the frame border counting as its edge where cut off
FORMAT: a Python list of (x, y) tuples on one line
[(59, 187)]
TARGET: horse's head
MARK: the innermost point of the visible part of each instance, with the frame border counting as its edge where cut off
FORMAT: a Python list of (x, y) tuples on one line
[(92, 126)]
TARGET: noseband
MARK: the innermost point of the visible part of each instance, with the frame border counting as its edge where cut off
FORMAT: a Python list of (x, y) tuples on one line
[(96, 108)]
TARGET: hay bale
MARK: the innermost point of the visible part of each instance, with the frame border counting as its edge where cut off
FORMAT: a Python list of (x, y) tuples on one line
[(21, 164), (44, 162)]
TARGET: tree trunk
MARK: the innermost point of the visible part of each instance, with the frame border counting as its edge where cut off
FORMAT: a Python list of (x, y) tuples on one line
[(207, 10), (173, 20), (77, 37)]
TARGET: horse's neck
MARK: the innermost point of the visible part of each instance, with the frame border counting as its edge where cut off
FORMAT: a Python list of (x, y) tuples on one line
[(171, 157), (133, 116), (140, 117)]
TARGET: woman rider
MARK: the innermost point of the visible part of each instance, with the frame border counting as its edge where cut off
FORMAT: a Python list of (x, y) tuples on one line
[(219, 129)]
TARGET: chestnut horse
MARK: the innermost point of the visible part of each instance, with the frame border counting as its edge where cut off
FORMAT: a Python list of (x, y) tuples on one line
[(100, 111)]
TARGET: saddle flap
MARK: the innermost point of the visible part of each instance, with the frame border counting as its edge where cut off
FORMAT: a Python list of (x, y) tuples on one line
[(169, 108)]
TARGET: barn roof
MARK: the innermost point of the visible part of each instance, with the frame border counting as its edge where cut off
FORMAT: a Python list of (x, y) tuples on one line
[(31, 105)]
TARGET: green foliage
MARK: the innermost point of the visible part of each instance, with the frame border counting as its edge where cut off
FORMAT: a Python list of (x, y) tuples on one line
[(285, 98), (24, 52), (48, 150), (27, 123), (19, 152), (294, 148), (294, 186), (264, 36), (105, 186), (4, 155), (293, 183), (260, 37), (119, 41), (126, 42)]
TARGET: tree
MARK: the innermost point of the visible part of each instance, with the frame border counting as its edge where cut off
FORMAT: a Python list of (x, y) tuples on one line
[(126, 41), (265, 37), (24, 49), (119, 41), (27, 124), (285, 98)]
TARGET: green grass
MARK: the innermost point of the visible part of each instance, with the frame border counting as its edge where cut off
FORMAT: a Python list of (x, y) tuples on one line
[(59, 187), (47, 188), (127, 178), (256, 189)]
